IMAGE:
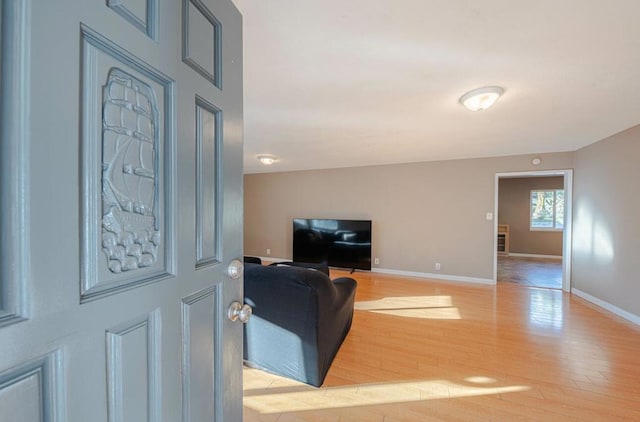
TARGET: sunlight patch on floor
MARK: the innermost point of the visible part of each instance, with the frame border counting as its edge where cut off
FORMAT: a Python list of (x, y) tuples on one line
[(425, 307), (480, 380), (305, 399), (546, 309)]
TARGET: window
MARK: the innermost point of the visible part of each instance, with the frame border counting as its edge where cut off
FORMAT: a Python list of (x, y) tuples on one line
[(547, 209)]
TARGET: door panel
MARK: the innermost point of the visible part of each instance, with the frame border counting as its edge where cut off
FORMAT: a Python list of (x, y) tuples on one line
[(127, 140), (14, 73), (121, 208), (199, 22), (27, 392), (140, 13), (133, 369), (208, 122), (199, 354)]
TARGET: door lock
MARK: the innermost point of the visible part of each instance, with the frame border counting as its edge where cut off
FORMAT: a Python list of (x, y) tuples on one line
[(235, 269)]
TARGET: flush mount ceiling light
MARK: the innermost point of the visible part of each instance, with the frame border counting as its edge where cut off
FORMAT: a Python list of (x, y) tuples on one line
[(481, 98), (267, 159)]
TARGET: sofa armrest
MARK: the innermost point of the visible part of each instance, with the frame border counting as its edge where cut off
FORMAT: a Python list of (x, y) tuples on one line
[(252, 260), (344, 280), (345, 291)]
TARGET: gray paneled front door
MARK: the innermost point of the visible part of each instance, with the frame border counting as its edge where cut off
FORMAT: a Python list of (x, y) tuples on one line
[(120, 210)]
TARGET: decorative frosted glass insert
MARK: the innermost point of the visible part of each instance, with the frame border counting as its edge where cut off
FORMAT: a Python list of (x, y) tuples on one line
[(130, 233)]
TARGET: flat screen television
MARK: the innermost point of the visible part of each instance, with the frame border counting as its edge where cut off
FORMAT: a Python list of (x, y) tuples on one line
[(339, 243)]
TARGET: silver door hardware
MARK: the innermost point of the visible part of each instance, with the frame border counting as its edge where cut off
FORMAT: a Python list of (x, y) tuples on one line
[(240, 312), (235, 269)]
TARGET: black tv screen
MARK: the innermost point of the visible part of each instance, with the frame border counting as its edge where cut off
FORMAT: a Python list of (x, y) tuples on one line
[(339, 243)]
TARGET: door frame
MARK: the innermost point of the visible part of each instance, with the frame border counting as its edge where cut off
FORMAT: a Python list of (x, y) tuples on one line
[(568, 221)]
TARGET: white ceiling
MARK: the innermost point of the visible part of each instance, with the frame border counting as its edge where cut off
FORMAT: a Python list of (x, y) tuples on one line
[(342, 83)]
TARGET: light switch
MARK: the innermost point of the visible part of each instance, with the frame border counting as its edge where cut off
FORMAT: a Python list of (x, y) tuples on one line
[(489, 216)]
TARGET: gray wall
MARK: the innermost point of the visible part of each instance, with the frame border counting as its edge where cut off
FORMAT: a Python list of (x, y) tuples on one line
[(514, 208), (422, 212), (606, 232)]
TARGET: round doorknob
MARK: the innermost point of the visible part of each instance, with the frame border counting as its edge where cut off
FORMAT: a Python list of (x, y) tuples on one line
[(235, 269), (239, 312)]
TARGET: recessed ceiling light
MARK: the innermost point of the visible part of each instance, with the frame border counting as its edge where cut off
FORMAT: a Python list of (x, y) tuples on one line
[(481, 98), (267, 159), (536, 161)]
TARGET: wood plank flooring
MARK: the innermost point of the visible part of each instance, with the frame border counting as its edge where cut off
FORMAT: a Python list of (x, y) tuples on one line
[(436, 351), (536, 272)]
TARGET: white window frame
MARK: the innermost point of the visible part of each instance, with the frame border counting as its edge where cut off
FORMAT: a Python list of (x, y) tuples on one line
[(544, 229)]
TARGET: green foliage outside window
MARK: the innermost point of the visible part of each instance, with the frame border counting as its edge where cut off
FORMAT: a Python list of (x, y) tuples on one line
[(547, 209)]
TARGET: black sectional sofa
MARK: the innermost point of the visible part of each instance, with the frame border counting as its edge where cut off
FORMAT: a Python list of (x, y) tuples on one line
[(300, 319)]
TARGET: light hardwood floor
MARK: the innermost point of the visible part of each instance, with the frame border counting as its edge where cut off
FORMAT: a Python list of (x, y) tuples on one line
[(435, 351)]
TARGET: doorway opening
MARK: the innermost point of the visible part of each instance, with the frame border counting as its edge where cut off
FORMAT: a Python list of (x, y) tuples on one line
[(532, 230), (528, 271)]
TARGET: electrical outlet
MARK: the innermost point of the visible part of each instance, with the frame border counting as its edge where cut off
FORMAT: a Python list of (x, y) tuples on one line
[(376, 261), (268, 251), (437, 266)]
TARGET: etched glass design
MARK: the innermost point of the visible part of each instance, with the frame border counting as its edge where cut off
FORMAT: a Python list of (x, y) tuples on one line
[(130, 230)]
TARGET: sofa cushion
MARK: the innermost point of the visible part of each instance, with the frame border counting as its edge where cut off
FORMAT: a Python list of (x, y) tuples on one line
[(321, 266)]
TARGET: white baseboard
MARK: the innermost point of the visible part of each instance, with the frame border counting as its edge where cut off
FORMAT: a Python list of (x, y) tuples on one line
[(432, 276), (532, 255), (606, 305)]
